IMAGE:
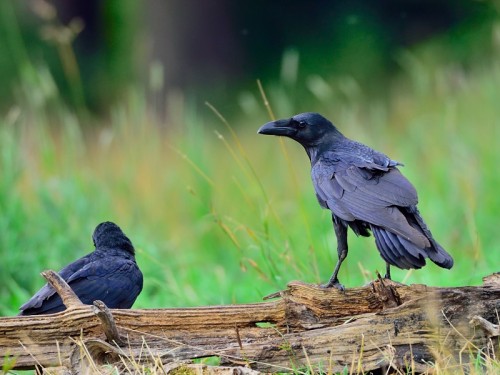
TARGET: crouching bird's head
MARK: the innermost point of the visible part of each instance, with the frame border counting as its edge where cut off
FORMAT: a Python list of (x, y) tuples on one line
[(309, 129), (109, 235)]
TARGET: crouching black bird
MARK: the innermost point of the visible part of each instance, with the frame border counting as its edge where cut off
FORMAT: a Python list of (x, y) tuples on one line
[(109, 274), (364, 190)]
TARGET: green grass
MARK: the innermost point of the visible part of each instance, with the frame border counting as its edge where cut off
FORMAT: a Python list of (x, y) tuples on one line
[(223, 215)]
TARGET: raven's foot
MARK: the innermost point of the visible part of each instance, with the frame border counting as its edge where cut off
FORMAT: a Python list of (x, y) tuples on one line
[(334, 284), (387, 276)]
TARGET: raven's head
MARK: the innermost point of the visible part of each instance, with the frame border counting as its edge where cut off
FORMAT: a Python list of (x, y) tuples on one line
[(309, 129), (109, 235)]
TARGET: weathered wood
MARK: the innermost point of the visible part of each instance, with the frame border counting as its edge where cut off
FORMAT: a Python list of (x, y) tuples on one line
[(108, 323), (379, 325), (69, 298)]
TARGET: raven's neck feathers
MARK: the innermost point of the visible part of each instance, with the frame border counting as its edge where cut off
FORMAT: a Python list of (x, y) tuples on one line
[(108, 235), (117, 243), (106, 252), (328, 142)]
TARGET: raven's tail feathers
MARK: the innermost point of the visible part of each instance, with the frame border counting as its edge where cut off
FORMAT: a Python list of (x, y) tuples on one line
[(440, 256), (401, 252), (436, 253), (397, 251)]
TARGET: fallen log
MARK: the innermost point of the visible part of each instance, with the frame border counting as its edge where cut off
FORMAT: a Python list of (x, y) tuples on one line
[(383, 324)]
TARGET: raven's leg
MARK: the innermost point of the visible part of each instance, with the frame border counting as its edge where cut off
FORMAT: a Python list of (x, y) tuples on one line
[(341, 233), (387, 271)]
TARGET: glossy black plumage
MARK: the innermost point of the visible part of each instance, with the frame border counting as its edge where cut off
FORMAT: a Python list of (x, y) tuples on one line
[(109, 274), (365, 191)]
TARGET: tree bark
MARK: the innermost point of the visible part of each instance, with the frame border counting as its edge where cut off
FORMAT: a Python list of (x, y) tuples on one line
[(380, 325)]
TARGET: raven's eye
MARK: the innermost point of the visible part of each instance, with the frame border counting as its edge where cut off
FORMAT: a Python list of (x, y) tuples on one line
[(302, 124)]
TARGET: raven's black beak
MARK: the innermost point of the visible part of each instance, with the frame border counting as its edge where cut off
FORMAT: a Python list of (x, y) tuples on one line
[(278, 127)]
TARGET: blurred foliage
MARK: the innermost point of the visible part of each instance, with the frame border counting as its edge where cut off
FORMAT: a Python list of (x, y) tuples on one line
[(91, 63), (96, 51)]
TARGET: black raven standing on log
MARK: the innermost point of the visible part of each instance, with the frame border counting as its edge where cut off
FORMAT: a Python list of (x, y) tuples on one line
[(364, 190), (109, 274)]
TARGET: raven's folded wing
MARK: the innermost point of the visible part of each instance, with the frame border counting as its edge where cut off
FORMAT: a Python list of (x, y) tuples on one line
[(116, 283), (370, 195), (47, 291)]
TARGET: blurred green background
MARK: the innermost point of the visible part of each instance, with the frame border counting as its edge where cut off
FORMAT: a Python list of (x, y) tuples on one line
[(104, 116)]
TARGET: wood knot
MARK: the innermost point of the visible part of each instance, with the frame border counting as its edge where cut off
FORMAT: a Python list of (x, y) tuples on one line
[(386, 292), (91, 353), (108, 323), (492, 280), (491, 330)]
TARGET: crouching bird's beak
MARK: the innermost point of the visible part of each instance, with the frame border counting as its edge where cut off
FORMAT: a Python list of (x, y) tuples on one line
[(279, 127)]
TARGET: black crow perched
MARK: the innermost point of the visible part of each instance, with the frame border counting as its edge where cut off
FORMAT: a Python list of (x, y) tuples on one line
[(364, 190), (109, 274)]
